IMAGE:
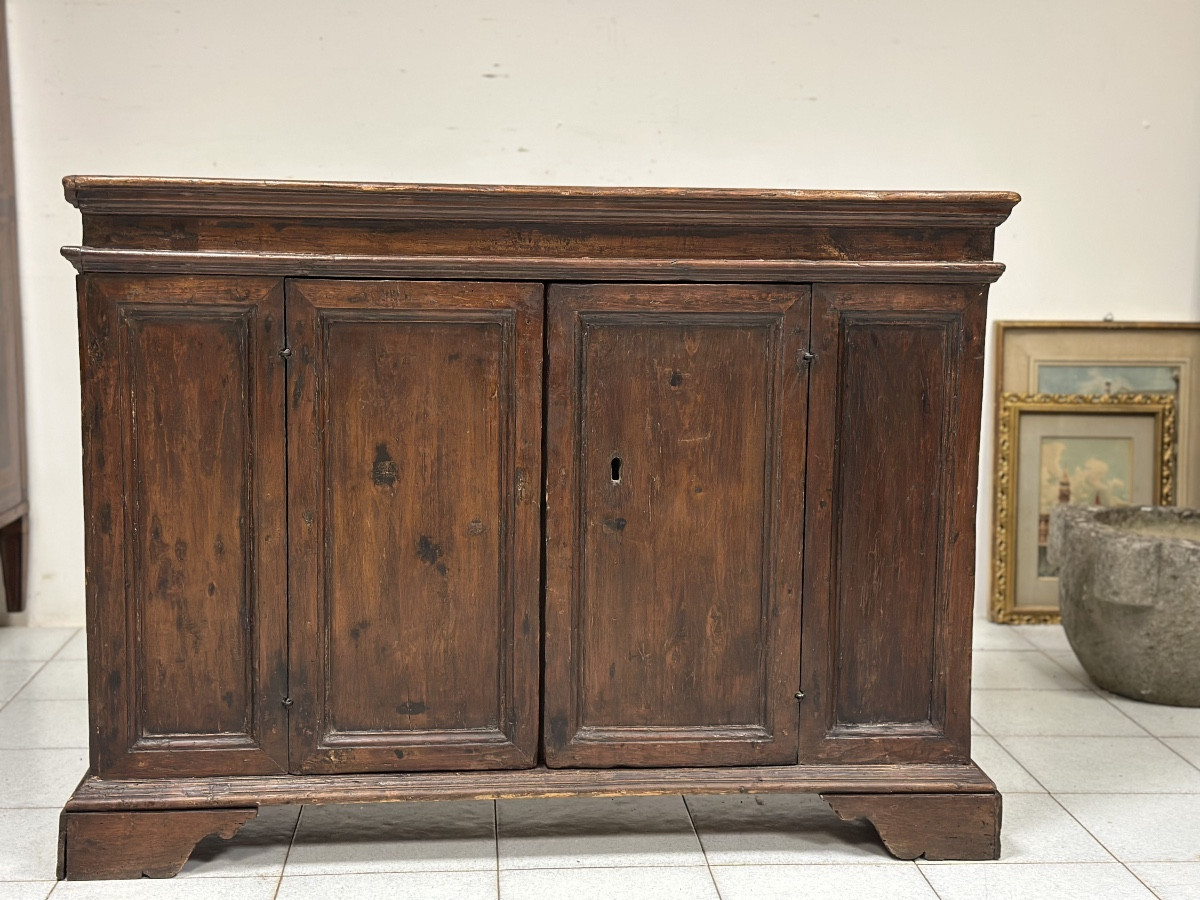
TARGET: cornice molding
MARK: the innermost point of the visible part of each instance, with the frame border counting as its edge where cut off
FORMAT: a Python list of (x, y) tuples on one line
[(567, 205)]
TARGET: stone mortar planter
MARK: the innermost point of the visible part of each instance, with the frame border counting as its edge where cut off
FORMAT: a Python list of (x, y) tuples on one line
[(1129, 588)]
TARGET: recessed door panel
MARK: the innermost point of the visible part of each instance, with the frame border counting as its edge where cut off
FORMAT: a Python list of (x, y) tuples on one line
[(890, 551), (674, 496), (415, 450), (186, 547)]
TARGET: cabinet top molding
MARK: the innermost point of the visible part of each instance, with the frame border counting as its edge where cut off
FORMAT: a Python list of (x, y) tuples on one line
[(328, 229), (104, 195)]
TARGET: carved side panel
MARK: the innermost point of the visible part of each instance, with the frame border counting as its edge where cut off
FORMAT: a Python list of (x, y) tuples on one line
[(184, 493), (415, 458), (889, 573)]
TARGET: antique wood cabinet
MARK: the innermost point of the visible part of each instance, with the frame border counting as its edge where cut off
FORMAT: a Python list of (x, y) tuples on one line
[(405, 492)]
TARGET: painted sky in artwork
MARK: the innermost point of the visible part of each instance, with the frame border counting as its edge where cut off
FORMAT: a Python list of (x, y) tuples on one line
[(1062, 379), (1100, 470)]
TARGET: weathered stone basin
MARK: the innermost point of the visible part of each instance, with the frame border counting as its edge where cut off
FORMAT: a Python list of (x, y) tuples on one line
[(1129, 588)]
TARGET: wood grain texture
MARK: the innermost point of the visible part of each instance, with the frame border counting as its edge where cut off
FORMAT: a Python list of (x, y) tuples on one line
[(415, 443), (757, 514), (932, 826), (185, 542), (88, 259), (185, 793), (675, 460), (438, 202), (889, 572), (538, 239), (96, 846)]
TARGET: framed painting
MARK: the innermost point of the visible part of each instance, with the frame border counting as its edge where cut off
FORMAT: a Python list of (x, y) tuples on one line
[(1114, 449), (1103, 358)]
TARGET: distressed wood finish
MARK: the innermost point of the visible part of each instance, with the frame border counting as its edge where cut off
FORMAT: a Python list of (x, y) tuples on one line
[(96, 794), (533, 233), (414, 425), (607, 240), (629, 206), (108, 845), (675, 453), (933, 826), (736, 430), (550, 268), (186, 548), (889, 570)]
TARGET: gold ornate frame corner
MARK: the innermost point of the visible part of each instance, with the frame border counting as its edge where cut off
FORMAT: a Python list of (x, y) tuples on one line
[(1003, 607)]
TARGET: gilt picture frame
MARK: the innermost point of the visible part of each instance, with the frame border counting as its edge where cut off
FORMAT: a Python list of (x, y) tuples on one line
[(1107, 449), (1079, 357)]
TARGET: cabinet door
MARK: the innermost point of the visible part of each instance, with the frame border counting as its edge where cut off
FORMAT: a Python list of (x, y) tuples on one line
[(183, 440), (893, 450), (414, 452), (675, 474)]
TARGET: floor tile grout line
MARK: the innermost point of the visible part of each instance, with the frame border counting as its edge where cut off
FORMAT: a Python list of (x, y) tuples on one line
[(1107, 696), (38, 671), (696, 831), (1088, 683), (1088, 831), (1009, 754), (921, 869), (1083, 685), (1145, 733), (496, 841), (288, 855), (439, 870), (74, 635), (1177, 753), (984, 621), (1152, 891), (25, 683)]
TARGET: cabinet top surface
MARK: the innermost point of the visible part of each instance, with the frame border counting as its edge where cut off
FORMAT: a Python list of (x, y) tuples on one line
[(124, 195)]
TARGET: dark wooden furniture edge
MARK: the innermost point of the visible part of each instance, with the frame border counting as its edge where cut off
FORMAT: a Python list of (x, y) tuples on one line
[(108, 845), (14, 526), (90, 259), (19, 511), (935, 826), (95, 794), (625, 205)]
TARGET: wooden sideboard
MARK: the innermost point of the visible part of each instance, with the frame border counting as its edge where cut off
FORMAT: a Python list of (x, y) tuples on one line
[(403, 492)]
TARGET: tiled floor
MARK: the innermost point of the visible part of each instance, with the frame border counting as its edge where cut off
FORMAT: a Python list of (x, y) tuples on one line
[(1101, 800)]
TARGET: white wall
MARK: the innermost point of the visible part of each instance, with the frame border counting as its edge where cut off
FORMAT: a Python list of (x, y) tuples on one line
[(1090, 109)]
